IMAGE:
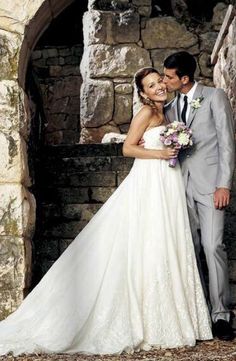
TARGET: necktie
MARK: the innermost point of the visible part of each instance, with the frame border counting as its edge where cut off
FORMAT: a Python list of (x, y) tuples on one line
[(183, 114)]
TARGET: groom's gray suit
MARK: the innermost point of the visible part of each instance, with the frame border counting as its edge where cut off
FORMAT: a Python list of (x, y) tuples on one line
[(208, 165)]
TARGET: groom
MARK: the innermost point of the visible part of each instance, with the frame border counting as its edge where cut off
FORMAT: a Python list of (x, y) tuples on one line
[(207, 169)]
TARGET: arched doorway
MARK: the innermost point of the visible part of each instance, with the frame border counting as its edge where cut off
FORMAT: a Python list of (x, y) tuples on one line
[(21, 28), (53, 84)]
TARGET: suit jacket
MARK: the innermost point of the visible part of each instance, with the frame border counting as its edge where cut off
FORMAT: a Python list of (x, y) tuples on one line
[(210, 162)]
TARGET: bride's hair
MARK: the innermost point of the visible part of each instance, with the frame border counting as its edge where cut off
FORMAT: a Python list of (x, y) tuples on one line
[(138, 78)]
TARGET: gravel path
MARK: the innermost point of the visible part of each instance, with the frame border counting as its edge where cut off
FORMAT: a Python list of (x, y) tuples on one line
[(204, 351)]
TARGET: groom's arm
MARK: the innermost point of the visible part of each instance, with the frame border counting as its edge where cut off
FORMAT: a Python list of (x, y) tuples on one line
[(225, 127)]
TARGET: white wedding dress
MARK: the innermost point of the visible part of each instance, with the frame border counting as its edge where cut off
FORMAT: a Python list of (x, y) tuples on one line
[(128, 281)]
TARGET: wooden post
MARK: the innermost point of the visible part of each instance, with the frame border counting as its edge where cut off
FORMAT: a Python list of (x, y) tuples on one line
[(223, 32)]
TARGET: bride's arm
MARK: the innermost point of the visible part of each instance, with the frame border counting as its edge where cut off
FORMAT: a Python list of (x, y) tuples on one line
[(137, 128)]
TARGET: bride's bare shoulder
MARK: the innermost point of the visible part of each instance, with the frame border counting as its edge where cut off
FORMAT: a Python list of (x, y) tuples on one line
[(145, 111)]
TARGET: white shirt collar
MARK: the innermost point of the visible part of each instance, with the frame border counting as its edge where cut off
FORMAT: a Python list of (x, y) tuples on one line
[(190, 92)]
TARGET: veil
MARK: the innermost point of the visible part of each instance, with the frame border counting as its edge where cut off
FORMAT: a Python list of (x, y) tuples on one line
[(137, 104)]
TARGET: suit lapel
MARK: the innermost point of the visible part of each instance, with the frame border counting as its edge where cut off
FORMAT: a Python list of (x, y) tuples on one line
[(192, 113), (173, 110)]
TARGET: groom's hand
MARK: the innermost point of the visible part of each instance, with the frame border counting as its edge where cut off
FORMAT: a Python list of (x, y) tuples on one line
[(221, 198), (141, 142)]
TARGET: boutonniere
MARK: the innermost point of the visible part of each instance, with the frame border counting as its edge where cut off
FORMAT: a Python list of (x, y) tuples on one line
[(196, 103)]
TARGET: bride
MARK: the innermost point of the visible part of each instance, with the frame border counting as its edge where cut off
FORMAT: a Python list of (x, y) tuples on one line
[(129, 281)]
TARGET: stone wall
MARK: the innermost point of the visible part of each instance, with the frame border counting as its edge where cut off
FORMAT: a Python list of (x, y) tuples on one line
[(119, 41), (17, 205), (21, 23), (225, 77), (225, 68), (58, 72), (111, 57)]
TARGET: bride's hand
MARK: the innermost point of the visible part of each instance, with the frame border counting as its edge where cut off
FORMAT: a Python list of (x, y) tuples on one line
[(169, 153)]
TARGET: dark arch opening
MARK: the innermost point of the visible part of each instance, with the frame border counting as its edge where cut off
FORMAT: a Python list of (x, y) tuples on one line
[(52, 85)]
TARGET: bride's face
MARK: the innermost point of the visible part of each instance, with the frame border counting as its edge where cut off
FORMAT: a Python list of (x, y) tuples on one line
[(154, 88)]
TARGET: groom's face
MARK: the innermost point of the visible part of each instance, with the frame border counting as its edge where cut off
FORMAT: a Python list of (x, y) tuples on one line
[(172, 81)]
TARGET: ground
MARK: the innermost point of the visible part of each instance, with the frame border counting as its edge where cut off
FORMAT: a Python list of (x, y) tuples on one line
[(204, 351)]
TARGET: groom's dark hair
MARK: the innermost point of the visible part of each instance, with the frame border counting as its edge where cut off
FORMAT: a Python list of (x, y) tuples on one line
[(183, 62)]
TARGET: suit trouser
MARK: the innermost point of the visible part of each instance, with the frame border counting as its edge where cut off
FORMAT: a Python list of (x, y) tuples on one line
[(210, 221)]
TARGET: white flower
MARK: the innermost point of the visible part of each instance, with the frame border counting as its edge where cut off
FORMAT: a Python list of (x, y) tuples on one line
[(175, 124), (170, 131), (183, 139), (196, 103)]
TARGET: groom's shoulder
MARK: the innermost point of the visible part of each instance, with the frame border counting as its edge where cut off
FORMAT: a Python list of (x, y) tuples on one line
[(170, 104), (211, 90)]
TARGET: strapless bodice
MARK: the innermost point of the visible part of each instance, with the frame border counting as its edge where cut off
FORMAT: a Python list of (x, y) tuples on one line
[(152, 138)]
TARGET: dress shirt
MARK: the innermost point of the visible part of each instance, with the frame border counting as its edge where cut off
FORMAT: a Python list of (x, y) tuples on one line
[(190, 98)]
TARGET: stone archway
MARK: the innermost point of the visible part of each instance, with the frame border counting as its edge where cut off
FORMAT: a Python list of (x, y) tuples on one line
[(120, 37), (21, 27)]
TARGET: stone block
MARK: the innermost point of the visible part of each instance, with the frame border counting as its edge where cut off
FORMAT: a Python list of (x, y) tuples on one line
[(71, 60), (59, 105), (61, 121), (65, 70), (45, 265), (10, 300), (219, 12), (65, 229), (37, 54), (80, 150), (80, 164), (158, 33), (229, 70), (207, 41), (66, 195), (232, 270), (64, 51), (54, 61), (117, 5), (51, 211), (48, 249), (86, 179), (113, 61), (50, 53), (122, 163), (73, 105), (13, 159), (64, 243), (124, 128), (125, 88), (54, 138), (17, 211), (233, 293), (123, 108), (205, 65), (232, 32), (15, 262), (142, 2), (82, 212), (71, 137), (10, 43), (145, 11), (97, 102), (121, 176), (9, 106), (68, 86), (101, 194), (159, 55)]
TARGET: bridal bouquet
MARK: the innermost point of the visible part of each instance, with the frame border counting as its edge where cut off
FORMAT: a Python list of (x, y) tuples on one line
[(176, 135)]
